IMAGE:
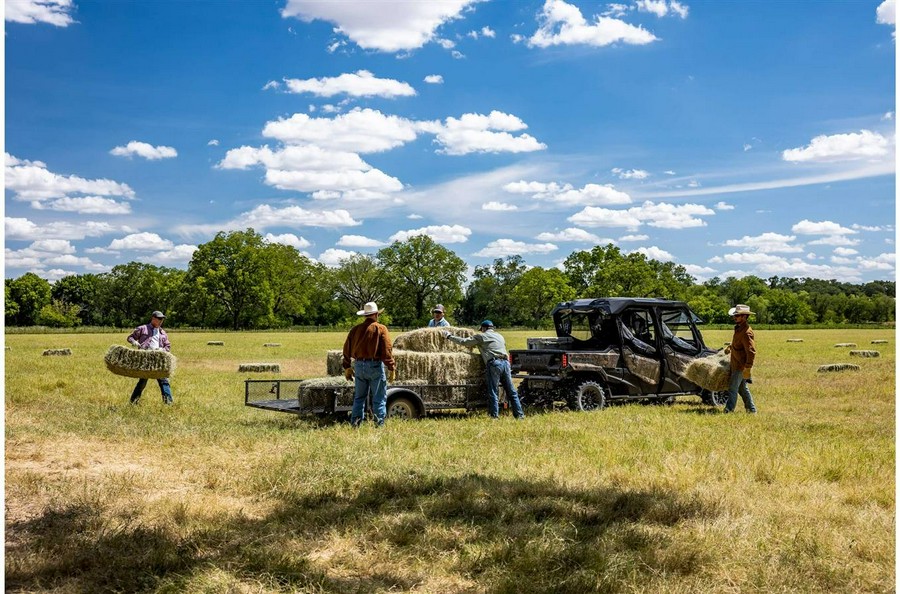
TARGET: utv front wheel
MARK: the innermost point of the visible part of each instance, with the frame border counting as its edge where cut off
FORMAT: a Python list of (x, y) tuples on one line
[(588, 396)]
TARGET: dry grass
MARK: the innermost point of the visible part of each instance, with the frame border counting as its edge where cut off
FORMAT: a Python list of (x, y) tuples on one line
[(210, 496)]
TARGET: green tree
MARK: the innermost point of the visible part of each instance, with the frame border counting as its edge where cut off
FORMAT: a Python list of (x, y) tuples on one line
[(490, 293), (231, 270), (420, 273), (538, 291), (81, 290), (58, 314), (358, 280), (292, 279), (12, 308), (129, 292), (606, 272), (709, 304), (31, 293)]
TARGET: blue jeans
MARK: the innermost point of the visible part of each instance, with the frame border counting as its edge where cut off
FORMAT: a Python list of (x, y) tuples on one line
[(163, 387), (370, 381), (738, 385), (497, 371)]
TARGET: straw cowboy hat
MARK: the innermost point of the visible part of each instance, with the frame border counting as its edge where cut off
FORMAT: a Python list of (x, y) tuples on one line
[(740, 310), (369, 308)]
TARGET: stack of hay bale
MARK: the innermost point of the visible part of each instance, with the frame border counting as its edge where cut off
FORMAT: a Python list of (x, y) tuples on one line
[(424, 356)]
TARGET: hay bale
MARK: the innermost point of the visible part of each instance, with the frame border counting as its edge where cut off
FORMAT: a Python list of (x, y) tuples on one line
[(259, 368), (838, 367), (143, 364), (272, 344), (56, 352), (711, 373), (431, 340), (215, 343), (325, 382), (845, 344), (334, 362), (873, 342), (794, 340), (865, 354)]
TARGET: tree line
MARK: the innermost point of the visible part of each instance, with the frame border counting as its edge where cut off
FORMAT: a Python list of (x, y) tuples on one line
[(240, 281)]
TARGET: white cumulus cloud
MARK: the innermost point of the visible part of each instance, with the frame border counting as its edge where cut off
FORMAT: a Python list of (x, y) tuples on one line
[(361, 83), (382, 25), (662, 215), (144, 242), (22, 228), (508, 247), (30, 12), (807, 227), (630, 173), (358, 131), (562, 23), (662, 8), (333, 257), (886, 13), (655, 253), (439, 233), (145, 150), (479, 133), (590, 194), (358, 241), (32, 181), (573, 234), (766, 242), (434, 79), (840, 147), (499, 206), (288, 239)]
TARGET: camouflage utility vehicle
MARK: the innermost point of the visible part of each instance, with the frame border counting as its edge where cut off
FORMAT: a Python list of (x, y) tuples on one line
[(610, 349)]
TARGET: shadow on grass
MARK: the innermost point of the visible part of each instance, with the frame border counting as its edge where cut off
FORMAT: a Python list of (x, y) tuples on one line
[(496, 535)]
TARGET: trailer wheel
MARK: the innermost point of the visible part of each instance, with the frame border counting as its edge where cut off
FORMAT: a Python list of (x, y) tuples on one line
[(588, 396), (402, 408), (714, 398)]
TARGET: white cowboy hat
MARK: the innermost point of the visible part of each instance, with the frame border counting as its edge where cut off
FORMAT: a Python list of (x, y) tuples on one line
[(369, 308), (740, 310)]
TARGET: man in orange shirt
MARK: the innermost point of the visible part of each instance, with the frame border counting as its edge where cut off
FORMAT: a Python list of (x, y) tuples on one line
[(368, 345), (743, 353)]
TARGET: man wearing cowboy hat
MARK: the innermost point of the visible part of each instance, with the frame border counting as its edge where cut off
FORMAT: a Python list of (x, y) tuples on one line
[(369, 346), (743, 352), (151, 336)]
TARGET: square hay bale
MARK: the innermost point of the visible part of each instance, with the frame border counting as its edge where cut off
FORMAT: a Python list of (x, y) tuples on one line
[(845, 345), (334, 362), (272, 344), (437, 368), (838, 367), (259, 368), (431, 340), (143, 364), (794, 340), (215, 343), (865, 354), (56, 352), (873, 342), (711, 373)]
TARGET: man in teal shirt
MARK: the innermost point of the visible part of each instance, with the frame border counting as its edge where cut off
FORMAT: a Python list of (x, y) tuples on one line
[(496, 363)]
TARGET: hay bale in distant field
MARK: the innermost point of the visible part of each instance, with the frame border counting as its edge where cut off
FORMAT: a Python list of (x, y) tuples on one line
[(794, 340), (58, 352), (272, 344), (143, 364), (259, 367), (873, 342), (838, 367), (215, 343), (431, 340), (845, 344), (865, 354), (711, 373)]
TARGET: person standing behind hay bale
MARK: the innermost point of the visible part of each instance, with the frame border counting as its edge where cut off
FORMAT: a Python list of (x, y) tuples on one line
[(151, 336), (369, 346), (438, 321), (743, 354), (496, 361)]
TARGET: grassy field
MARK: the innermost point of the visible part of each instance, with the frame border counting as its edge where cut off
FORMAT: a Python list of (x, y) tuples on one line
[(211, 496)]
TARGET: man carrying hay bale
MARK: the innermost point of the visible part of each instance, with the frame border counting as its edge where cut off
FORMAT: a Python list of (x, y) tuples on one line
[(743, 353), (151, 336), (438, 321), (369, 346), (496, 362)]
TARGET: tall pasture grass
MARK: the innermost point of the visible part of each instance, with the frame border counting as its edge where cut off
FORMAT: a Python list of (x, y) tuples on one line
[(210, 496)]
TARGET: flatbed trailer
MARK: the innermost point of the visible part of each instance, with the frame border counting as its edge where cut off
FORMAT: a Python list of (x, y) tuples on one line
[(404, 400)]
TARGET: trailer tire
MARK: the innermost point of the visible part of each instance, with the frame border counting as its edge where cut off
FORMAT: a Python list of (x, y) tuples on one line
[(402, 408), (588, 396)]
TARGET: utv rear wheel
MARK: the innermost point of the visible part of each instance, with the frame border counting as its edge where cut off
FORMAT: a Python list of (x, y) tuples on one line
[(588, 396), (402, 408)]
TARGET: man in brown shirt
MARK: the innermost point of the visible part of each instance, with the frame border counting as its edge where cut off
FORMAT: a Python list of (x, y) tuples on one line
[(743, 353), (368, 345)]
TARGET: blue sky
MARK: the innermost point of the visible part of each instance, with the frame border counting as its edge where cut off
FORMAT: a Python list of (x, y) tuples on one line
[(732, 138)]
